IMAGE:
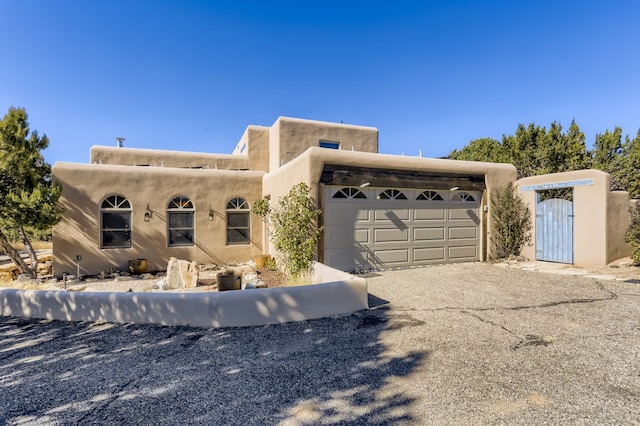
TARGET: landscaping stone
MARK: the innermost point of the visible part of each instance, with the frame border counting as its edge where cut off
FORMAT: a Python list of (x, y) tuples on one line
[(182, 273)]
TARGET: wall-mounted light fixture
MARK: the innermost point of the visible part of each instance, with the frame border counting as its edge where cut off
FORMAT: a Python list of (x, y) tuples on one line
[(365, 185), (455, 188), (210, 213), (148, 214)]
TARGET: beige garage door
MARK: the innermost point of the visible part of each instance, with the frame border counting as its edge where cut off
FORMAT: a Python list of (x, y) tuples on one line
[(393, 227)]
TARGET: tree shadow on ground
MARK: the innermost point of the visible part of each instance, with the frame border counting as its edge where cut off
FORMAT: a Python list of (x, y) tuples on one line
[(326, 371)]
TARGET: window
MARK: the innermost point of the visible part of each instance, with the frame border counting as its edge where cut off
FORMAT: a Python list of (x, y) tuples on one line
[(349, 193), (391, 194), (465, 197), (180, 214), (330, 144), (237, 221), (430, 196), (115, 222)]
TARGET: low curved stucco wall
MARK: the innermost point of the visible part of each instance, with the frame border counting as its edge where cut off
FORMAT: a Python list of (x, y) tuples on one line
[(338, 293)]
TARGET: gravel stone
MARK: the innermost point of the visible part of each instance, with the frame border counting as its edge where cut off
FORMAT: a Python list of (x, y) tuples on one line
[(453, 344)]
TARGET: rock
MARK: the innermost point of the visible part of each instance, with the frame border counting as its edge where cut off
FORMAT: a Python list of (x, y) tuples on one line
[(123, 278), (78, 287), (23, 278), (182, 273), (147, 276)]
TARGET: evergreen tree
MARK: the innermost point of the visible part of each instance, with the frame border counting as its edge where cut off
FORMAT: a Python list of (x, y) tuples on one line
[(483, 149), (607, 155), (28, 195), (628, 173)]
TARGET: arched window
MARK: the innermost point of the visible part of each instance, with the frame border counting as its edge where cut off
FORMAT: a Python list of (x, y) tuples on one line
[(429, 196), (465, 197), (391, 194), (238, 231), (349, 193), (180, 213), (115, 222)]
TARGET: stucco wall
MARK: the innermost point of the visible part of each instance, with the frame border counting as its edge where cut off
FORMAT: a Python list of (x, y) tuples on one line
[(257, 139), (86, 185), (166, 158), (290, 137), (618, 220), (337, 293), (599, 216)]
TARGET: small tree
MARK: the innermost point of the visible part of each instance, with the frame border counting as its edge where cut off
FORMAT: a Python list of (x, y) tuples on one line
[(293, 231), (633, 233), (510, 223), (28, 195)]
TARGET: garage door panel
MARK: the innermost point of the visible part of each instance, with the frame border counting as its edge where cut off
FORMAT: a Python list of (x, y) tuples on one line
[(428, 254), (429, 214), (362, 236), (344, 215), (463, 232), (463, 252), (338, 237), (346, 259), (390, 235), (392, 256), (428, 234), (392, 215), (463, 214)]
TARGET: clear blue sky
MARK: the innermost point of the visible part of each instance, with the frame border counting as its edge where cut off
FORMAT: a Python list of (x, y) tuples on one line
[(430, 75)]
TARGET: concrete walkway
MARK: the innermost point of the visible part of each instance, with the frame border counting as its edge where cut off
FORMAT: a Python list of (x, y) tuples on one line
[(453, 344)]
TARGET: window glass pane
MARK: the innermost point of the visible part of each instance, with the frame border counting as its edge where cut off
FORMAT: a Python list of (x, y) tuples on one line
[(182, 237), (113, 220), (181, 220), (116, 239), (237, 236), (238, 220), (330, 144)]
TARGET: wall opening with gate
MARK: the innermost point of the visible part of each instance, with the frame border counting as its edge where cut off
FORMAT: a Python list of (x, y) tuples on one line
[(585, 226)]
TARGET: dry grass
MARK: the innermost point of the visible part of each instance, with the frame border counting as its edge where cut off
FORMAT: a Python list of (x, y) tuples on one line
[(303, 279), (37, 245), (28, 285)]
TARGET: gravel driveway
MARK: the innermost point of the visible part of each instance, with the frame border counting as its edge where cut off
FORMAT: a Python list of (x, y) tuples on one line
[(454, 344)]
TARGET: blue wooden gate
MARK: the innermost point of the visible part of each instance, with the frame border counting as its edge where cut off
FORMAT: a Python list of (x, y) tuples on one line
[(554, 230)]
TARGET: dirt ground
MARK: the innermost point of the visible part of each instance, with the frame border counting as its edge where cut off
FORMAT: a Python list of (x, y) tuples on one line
[(469, 343)]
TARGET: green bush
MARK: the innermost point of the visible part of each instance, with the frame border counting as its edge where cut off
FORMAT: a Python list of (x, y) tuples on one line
[(293, 228), (633, 233), (510, 223)]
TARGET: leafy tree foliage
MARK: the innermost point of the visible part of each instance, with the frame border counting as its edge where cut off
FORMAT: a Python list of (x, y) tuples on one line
[(534, 150), (510, 223), (28, 195), (294, 232), (483, 149), (633, 233)]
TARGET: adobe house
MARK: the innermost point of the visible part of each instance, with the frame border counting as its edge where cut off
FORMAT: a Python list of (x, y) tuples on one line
[(379, 211)]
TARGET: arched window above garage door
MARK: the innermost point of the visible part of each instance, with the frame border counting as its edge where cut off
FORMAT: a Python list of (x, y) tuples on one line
[(349, 193), (465, 197), (430, 196), (392, 194)]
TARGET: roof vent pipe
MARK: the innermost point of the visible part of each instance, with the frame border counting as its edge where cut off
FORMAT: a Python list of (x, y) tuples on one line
[(120, 140)]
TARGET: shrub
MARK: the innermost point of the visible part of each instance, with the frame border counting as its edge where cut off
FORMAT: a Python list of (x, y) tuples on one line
[(633, 233), (293, 228), (510, 223)]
